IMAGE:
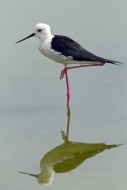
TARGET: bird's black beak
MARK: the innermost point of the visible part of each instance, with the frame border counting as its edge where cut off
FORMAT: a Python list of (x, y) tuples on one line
[(31, 35)]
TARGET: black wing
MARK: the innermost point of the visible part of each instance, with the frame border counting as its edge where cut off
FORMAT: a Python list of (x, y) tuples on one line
[(69, 47)]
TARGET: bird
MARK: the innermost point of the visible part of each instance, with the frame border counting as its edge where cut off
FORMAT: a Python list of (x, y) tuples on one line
[(65, 50)]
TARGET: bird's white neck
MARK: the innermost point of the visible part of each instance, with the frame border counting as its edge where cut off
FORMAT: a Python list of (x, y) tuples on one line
[(44, 44), (45, 37)]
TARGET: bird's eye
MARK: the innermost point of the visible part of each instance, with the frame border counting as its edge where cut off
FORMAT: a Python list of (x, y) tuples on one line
[(39, 30)]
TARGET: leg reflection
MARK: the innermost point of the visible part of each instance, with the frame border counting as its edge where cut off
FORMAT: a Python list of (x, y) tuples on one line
[(65, 137)]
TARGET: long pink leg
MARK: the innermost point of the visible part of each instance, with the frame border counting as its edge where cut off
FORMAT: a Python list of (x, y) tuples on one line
[(68, 88), (64, 72), (74, 67)]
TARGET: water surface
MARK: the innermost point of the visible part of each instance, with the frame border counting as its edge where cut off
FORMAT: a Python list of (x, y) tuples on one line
[(33, 99)]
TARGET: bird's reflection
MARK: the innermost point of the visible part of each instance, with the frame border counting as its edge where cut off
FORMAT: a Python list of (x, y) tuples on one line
[(67, 156)]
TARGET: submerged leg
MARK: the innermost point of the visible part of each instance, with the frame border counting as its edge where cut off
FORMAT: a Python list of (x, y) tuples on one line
[(64, 71)]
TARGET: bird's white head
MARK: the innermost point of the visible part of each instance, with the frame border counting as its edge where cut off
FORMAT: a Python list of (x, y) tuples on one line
[(41, 31)]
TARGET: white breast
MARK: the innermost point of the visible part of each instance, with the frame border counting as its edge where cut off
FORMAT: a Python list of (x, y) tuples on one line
[(45, 48)]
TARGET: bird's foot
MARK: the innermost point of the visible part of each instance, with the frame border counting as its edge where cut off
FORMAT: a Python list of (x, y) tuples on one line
[(64, 136), (63, 73)]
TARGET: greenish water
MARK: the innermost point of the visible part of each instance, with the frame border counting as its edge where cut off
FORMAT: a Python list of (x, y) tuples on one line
[(33, 99)]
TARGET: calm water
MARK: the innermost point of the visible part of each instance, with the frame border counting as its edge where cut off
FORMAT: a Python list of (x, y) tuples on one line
[(37, 137)]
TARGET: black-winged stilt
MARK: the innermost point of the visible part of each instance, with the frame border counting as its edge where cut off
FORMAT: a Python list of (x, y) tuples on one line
[(66, 51)]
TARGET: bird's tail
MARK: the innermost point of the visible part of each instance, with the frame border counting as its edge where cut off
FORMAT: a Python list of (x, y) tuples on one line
[(113, 62)]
